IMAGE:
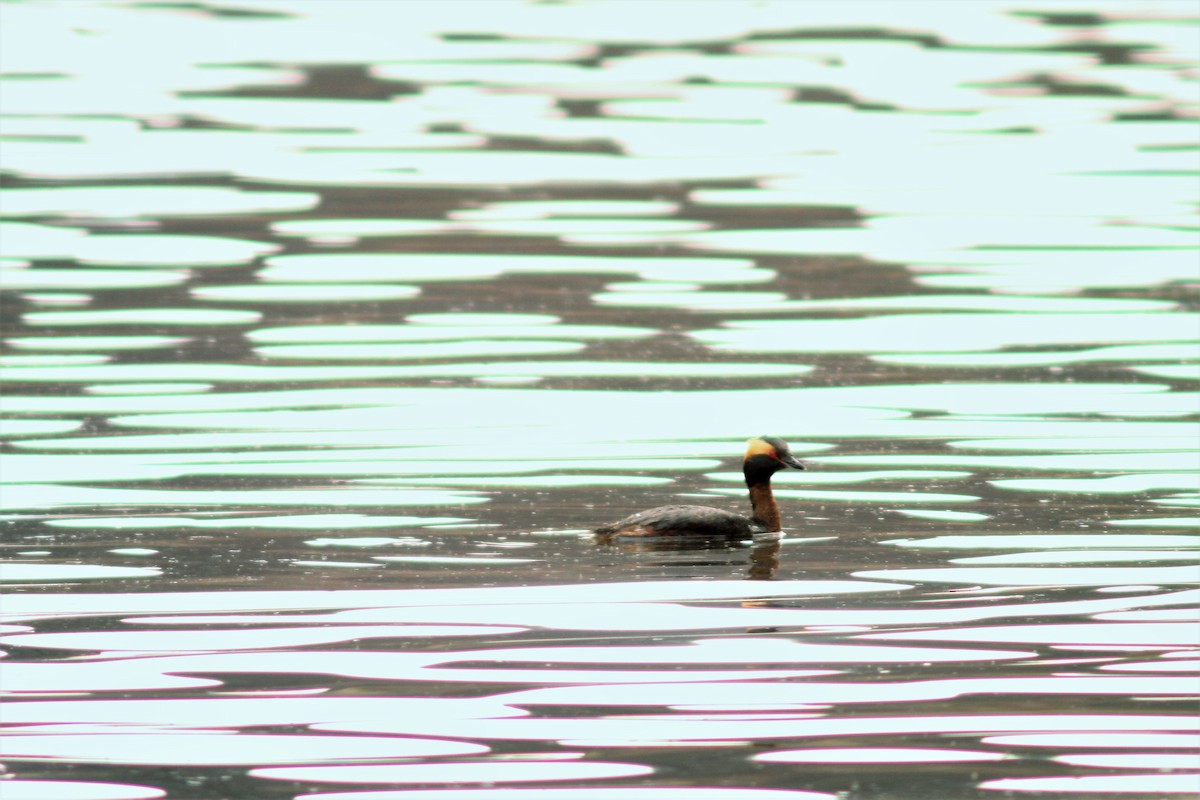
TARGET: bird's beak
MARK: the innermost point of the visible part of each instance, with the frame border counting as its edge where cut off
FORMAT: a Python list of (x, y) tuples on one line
[(793, 462)]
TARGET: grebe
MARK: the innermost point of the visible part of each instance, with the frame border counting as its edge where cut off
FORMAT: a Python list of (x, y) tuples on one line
[(765, 455)]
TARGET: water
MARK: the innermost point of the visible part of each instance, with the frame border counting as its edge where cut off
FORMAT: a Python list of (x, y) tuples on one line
[(333, 328)]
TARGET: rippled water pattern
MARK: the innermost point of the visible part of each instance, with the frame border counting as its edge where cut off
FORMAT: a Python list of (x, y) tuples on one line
[(332, 328)]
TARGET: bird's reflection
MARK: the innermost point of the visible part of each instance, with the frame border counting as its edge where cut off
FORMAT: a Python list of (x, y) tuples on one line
[(764, 560), (763, 554)]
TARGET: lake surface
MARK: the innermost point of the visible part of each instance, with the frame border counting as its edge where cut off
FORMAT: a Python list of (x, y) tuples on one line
[(332, 329)]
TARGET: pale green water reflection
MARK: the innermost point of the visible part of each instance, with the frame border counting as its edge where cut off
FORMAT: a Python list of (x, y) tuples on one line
[(92, 279), (365, 268), (69, 343), (305, 522), (251, 373), (58, 496), (365, 228), (1181, 372), (333, 328), (52, 360), (302, 293), (141, 389), (436, 332), (417, 352), (950, 332), (10, 428), (141, 201), (129, 250), (137, 316), (1145, 352), (777, 302)]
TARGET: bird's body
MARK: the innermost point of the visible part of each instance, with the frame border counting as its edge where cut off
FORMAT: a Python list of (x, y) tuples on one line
[(765, 456), (685, 520)]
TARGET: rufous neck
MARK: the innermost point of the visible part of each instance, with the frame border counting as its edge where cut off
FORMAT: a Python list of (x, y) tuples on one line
[(765, 509)]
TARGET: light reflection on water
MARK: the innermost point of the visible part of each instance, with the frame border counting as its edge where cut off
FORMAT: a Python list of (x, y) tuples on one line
[(334, 332)]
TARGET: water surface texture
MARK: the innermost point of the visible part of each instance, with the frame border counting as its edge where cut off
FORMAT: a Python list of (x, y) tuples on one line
[(333, 328)]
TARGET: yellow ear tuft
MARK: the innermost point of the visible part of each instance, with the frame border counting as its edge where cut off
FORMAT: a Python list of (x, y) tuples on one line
[(760, 447)]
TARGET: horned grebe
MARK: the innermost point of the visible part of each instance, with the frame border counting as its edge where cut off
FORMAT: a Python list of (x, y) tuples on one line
[(765, 455)]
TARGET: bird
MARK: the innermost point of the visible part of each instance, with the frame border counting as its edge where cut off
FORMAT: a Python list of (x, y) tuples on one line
[(765, 455)]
